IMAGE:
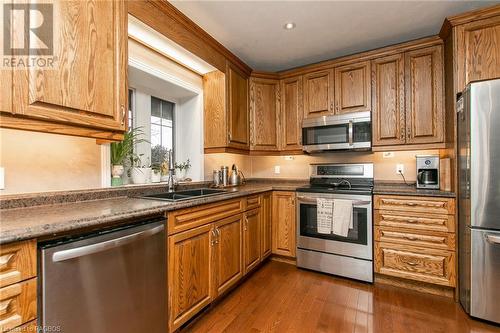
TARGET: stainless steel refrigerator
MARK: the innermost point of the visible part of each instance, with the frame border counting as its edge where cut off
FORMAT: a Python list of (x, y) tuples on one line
[(478, 111)]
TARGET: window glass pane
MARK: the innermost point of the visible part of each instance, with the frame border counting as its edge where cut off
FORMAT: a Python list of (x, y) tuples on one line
[(155, 135), (167, 109), (155, 107)]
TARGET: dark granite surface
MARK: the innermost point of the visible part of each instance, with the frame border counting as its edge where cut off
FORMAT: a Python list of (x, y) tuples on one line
[(51, 221), (403, 189)]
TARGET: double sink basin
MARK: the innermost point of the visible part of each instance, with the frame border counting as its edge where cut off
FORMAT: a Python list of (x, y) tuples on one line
[(184, 195)]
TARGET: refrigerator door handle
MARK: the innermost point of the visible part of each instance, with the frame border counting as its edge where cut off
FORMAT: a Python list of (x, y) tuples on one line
[(493, 239)]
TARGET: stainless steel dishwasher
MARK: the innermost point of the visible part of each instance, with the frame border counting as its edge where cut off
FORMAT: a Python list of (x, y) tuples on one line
[(110, 282)]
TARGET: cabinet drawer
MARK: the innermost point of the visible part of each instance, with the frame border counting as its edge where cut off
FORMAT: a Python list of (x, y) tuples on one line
[(185, 219), (17, 262), (415, 263), (415, 221), (253, 202), (17, 304), (431, 205), (432, 239)]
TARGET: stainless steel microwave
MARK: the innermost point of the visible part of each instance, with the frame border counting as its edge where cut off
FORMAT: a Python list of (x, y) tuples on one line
[(351, 131)]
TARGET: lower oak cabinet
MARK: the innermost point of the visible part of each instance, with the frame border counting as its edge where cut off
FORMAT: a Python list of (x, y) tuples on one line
[(284, 224), (208, 259), (415, 239)]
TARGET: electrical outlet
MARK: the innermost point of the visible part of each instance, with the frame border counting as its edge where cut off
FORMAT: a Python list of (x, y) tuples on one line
[(277, 169), (400, 168), (2, 178)]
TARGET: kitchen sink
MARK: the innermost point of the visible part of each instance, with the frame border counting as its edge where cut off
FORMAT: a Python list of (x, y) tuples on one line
[(184, 195)]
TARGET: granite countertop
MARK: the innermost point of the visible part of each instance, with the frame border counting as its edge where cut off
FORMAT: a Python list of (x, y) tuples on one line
[(410, 190), (53, 220)]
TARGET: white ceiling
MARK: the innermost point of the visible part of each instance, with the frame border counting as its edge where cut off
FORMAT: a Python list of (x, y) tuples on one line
[(253, 30)]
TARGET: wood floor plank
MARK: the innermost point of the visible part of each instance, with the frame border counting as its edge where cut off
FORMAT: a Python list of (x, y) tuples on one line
[(280, 298)]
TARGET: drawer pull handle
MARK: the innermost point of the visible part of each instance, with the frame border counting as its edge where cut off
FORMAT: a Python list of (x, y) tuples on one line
[(411, 263), (5, 260), (4, 306)]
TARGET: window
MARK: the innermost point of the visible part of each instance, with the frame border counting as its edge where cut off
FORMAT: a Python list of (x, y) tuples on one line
[(162, 128)]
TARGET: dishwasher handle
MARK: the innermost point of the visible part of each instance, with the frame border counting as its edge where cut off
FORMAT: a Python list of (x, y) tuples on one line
[(104, 246)]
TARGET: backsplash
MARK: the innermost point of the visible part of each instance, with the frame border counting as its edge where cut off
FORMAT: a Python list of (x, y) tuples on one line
[(297, 166)]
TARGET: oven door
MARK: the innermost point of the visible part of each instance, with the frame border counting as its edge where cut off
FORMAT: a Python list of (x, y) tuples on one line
[(357, 244)]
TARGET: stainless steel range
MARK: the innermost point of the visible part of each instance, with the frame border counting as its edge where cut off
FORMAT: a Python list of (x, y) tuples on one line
[(350, 256)]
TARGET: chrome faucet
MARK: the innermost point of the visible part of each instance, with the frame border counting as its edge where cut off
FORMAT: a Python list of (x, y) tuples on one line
[(171, 172)]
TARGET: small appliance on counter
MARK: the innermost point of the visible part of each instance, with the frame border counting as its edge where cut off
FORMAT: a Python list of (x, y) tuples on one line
[(428, 171), (222, 177)]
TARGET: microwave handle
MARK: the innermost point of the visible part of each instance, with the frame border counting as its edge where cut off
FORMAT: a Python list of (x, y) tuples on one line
[(350, 133)]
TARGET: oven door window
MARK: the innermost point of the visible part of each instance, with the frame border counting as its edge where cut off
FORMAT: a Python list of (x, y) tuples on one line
[(362, 132), (357, 235), (331, 134)]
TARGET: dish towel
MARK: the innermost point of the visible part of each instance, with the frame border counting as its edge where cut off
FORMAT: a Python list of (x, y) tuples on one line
[(342, 217), (324, 215)]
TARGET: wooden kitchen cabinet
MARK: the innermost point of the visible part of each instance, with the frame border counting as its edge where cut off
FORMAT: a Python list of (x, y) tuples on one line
[(266, 226), (264, 114), (85, 93), (318, 93), (238, 124), (190, 276), (251, 239), (18, 262), (353, 88), (291, 114), (388, 116), (228, 249), (415, 240), (18, 304), (424, 95), (478, 49), (283, 224)]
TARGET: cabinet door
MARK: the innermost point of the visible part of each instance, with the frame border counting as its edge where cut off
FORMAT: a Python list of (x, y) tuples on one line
[(189, 274), (87, 85), (228, 252), (388, 116), (318, 94), (424, 95), (264, 114), (291, 113), (478, 51), (283, 224), (353, 88), (251, 239), (265, 226), (238, 109)]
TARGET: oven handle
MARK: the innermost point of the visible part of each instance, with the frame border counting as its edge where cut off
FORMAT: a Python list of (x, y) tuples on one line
[(354, 202)]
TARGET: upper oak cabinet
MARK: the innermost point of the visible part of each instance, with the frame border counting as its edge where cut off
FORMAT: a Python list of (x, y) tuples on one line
[(85, 93), (388, 117), (318, 93), (408, 99), (353, 88), (238, 108), (424, 95), (291, 113), (264, 114), (477, 47)]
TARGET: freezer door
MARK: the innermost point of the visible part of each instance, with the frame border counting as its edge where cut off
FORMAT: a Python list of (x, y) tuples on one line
[(485, 275), (108, 283), (485, 154)]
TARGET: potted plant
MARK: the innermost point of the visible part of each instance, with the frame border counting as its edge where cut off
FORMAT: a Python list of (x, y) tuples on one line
[(155, 173), (158, 160), (120, 151), (141, 172), (183, 169)]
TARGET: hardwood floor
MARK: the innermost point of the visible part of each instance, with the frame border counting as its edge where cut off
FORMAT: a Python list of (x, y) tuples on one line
[(282, 298)]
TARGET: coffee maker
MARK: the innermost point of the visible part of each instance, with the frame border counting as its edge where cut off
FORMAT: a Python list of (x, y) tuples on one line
[(428, 171)]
